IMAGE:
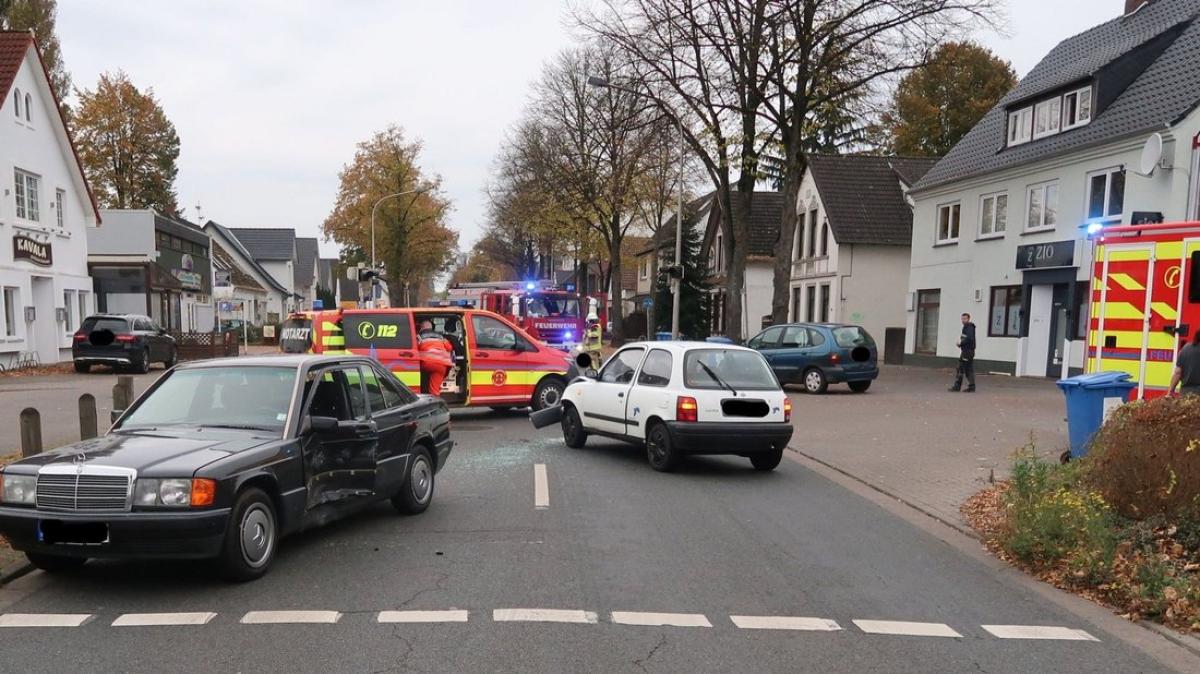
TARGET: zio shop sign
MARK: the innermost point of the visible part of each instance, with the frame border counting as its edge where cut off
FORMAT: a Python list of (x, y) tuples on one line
[(31, 250)]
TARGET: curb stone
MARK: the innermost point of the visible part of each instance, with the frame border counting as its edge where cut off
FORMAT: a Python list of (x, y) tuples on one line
[(14, 571), (1185, 640)]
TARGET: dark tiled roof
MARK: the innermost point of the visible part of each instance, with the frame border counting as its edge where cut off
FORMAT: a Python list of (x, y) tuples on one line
[(267, 243), (664, 237), (1166, 91), (236, 243), (766, 210), (862, 196), (305, 270)]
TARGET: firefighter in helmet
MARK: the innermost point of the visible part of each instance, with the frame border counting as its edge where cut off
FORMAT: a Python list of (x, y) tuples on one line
[(436, 358), (593, 338)]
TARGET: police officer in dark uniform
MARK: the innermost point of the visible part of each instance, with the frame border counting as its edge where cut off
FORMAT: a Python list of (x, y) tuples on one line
[(966, 357)]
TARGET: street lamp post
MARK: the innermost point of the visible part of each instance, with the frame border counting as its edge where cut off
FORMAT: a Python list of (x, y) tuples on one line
[(676, 283), (375, 209)]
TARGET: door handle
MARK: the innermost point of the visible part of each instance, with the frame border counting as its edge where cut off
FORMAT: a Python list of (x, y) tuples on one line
[(480, 354), (621, 394), (406, 354)]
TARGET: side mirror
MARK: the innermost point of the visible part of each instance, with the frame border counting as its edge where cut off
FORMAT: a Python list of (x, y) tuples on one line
[(318, 424), (114, 415), (591, 373)]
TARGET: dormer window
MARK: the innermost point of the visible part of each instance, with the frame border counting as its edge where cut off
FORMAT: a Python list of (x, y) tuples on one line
[(1020, 126), (1077, 108), (1051, 116), (1047, 117)]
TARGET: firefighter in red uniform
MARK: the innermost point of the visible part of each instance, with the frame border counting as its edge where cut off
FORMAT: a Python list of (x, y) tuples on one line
[(436, 358)]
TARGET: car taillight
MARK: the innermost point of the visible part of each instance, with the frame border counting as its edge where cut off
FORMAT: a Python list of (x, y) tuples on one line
[(787, 409), (79, 336), (126, 338), (685, 409), (835, 359)]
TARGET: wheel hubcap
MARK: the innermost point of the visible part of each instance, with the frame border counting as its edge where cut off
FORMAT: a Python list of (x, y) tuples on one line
[(258, 536), (550, 396), (421, 480), (657, 451), (814, 381)]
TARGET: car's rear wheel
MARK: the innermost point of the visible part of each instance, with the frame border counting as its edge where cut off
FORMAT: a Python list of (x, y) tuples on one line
[(815, 381), (860, 386), (251, 537), (548, 393), (417, 493), (55, 563), (660, 451), (82, 368), (143, 365), (172, 358), (766, 460), (572, 428)]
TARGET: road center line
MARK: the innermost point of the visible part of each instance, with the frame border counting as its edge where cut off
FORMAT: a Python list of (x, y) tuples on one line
[(541, 488), (423, 616), (1038, 632), (660, 619), (43, 619), (544, 615), (159, 619), (779, 622), (906, 628), (290, 617)]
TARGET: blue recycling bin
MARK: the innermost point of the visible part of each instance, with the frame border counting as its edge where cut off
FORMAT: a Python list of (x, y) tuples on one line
[(662, 336), (1086, 396)]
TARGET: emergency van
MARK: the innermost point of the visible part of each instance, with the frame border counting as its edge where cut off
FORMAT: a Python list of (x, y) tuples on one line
[(496, 364), (1145, 301)]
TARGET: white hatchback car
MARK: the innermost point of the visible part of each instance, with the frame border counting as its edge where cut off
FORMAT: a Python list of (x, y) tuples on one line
[(680, 398)]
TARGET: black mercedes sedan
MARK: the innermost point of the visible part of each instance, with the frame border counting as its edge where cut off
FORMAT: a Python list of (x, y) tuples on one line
[(222, 458)]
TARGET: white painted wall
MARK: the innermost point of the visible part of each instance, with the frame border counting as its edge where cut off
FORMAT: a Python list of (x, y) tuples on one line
[(40, 146), (872, 280), (125, 232), (756, 300)]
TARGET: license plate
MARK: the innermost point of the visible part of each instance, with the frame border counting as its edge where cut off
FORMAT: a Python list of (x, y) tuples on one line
[(57, 532)]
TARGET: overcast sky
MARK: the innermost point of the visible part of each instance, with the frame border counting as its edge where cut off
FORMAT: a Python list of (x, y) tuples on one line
[(270, 96)]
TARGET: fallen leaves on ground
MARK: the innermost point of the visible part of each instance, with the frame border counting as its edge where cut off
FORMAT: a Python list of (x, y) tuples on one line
[(39, 371)]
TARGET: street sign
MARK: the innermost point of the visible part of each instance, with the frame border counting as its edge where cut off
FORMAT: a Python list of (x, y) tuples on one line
[(647, 302)]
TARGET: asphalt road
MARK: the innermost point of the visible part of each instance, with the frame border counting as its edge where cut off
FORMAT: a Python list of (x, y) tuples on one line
[(616, 544)]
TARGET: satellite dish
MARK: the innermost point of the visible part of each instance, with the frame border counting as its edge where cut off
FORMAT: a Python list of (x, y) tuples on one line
[(1151, 154)]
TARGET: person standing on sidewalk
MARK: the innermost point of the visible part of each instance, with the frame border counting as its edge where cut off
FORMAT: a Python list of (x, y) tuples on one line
[(966, 357), (1187, 369)]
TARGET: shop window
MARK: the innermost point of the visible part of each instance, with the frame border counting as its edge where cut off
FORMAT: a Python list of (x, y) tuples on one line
[(929, 304), (1083, 311), (1006, 312)]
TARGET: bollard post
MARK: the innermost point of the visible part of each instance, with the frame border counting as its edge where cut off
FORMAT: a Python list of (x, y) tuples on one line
[(87, 417), (123, 392), (31, 432)]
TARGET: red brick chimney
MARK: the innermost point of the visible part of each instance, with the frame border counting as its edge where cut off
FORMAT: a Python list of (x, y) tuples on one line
[(1132, 6)]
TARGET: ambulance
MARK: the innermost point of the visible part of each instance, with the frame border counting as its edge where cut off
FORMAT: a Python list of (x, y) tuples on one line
[(1145, 301), (496, 363)]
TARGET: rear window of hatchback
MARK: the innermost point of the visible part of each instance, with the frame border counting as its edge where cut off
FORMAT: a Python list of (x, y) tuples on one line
[(851, 336), (115, 325), (743, 370)]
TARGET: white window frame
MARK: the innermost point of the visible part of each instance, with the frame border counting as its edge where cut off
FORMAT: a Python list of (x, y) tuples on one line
[(12, 330), (27, 195), (798, 237), (69, 299), (642, 268), (1042, 224), (1052, 107), (60, 197), (1081, 94), (17, 100), (28, 108), (995, 233), (1020, 126), (1107, 218), (83, 308), (955, 207)]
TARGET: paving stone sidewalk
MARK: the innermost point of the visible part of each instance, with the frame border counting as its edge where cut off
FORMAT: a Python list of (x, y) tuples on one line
[(910, 437)]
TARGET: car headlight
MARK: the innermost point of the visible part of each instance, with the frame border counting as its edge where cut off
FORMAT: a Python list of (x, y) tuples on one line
[(19, 489), (169, 492)]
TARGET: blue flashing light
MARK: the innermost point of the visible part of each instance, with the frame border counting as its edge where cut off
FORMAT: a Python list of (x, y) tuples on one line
[(1094, 228), (530, 285), (568, 335)]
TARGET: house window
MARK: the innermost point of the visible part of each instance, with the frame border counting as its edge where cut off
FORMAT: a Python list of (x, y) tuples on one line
[(993, 215), (1020, 126), (949, 217), (812, 233), (798, 239), (825, 239), (26, 190), (811, 310), (645, 270), (1106, 195), (69, 306), (59, 197), (17, 103), (83, 301), (929, 304), (720, 253), (1083, 310), (11, 298), (1077, 108), (796, 303), (1047, 118), (1043, 207), (28, 106), (825, 303), (1006, 312)]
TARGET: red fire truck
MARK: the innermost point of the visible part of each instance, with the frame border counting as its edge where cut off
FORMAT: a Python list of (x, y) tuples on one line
[(1145, 301), (553, 315)]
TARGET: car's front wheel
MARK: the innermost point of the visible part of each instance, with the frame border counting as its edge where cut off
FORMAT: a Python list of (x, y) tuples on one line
[(660, 451), (417, 493), (766, 460), (815, 381), (82, 368), (572, 428), (549, 393), (55, 563), (251, 536), (860, 386)]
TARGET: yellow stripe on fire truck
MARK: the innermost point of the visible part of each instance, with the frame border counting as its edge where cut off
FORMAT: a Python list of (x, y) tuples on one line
[(509, 378)]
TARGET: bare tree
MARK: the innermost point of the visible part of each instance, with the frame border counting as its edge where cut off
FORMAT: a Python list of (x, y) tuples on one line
[(707, 62), (836, 51)]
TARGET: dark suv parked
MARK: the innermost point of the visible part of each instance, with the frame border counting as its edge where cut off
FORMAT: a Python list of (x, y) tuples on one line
[(819, 354), (122, 340)]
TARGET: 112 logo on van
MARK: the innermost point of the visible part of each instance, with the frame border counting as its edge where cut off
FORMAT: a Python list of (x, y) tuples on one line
[(368, 330)]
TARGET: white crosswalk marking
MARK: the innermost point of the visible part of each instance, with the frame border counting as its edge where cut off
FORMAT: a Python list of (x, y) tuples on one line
[(290, 617), (161, 619), (541, 487), (660, 619), (906, 628), (1038, 632), (544, 615), (423, 616), (43, 619), (779, 622)]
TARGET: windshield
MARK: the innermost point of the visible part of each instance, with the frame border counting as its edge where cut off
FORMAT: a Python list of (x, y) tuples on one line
[(252, 397), (544, 306), (852, 336), (737, 368)]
